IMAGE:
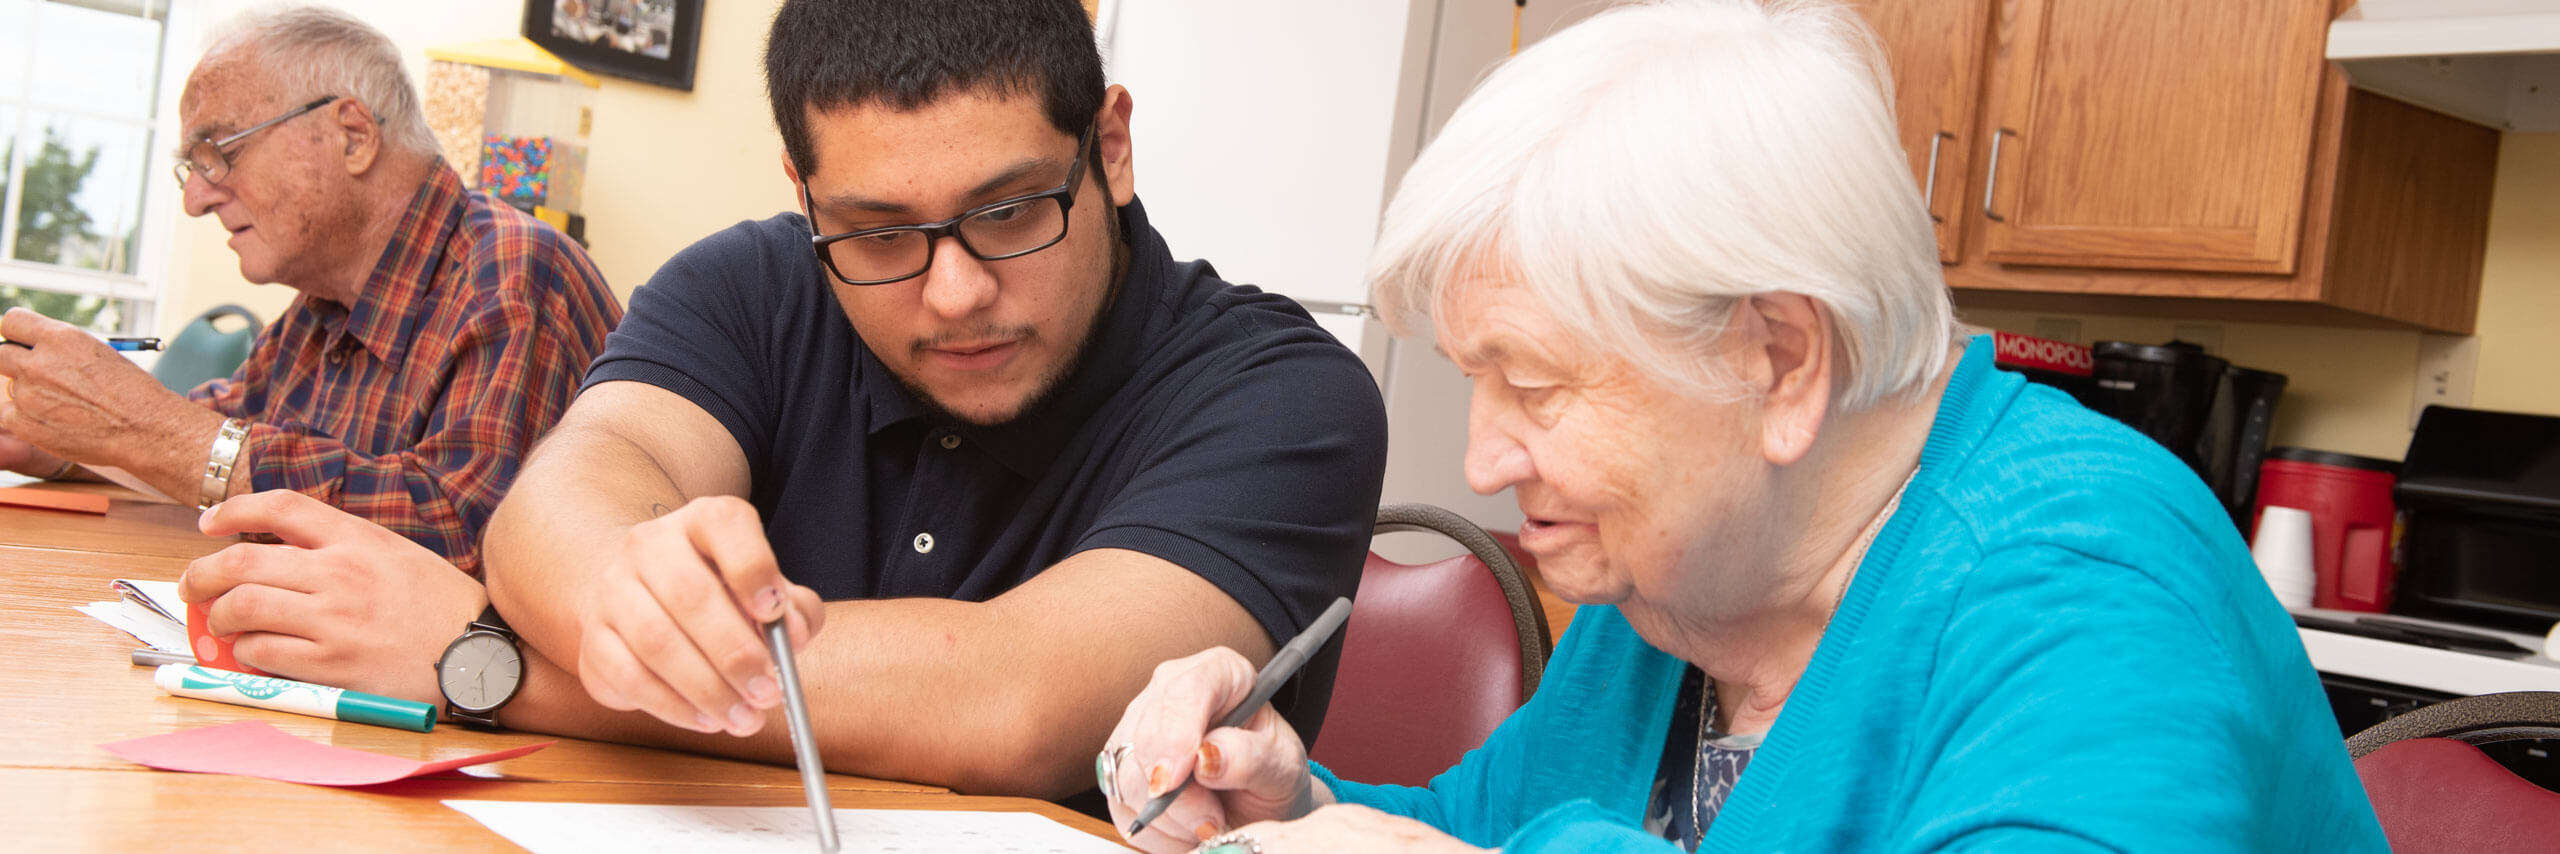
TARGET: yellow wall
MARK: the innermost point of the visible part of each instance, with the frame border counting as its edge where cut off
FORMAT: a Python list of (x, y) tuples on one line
[(668, 167), (664, 167), (2349, 389)]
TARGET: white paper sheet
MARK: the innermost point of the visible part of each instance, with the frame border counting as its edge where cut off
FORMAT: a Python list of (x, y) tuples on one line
[(10, 478), (548, 828), (141, 623), (149, 611)]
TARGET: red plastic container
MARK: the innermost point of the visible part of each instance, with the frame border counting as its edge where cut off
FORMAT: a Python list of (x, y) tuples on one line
[(2349, 499)]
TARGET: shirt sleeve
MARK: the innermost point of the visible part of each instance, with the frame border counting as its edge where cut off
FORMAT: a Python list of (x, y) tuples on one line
[(2065, 681), (512, 370), (1264, 480), (698, 328), (229, 395)]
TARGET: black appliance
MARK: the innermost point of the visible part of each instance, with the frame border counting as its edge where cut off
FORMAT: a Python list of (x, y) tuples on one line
[(2479, 497), (2213, 415)]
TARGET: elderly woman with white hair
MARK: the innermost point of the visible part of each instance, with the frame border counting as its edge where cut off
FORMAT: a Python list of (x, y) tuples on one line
[(1851, 587)]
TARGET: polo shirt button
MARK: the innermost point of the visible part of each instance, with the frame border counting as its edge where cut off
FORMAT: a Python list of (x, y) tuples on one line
[(951, 441), (924, 544)]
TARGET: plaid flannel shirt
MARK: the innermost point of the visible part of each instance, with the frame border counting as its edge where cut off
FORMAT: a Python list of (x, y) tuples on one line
[(414, 407)]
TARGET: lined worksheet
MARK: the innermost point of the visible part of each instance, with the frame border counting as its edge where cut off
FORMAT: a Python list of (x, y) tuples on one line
[(551, 828)]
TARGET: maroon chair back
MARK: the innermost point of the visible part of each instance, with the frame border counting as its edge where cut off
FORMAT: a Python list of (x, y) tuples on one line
[(2436, 792), (1435, 656)]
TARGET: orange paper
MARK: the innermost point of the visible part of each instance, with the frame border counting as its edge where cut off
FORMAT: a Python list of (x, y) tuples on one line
[(54, 499)]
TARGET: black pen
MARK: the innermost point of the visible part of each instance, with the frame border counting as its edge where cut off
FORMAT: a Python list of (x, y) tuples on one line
[(1284, 664)]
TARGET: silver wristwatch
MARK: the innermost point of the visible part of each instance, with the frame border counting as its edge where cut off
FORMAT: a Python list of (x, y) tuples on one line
[(218, 463)]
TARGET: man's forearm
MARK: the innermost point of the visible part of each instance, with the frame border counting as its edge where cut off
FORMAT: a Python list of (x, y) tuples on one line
[(1006, 697), (172, 459), (565, 518)]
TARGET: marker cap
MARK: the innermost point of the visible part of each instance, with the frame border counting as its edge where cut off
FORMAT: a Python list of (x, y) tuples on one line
[(385, 711)]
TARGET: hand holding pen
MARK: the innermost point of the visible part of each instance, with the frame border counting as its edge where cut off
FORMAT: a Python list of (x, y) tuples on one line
[(1207, 719)]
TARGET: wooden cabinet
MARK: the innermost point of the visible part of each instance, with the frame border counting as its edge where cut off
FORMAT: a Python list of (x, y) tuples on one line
[(1935, 51), (2181, 157)]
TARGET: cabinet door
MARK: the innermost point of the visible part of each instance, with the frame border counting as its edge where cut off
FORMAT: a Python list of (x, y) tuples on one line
[(1934, 48), (2153, 134)]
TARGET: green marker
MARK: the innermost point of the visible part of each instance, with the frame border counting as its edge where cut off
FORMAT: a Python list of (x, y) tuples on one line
[(286, 695)]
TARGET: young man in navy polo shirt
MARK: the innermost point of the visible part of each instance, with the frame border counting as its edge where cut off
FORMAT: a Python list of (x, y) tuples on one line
[(992, 435)]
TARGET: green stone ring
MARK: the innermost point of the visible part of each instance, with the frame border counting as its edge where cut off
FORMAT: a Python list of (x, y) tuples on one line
[(1106, 765)]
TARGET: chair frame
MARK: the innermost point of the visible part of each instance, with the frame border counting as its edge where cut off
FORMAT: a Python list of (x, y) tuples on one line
[(2485, 719), (1527, 617)]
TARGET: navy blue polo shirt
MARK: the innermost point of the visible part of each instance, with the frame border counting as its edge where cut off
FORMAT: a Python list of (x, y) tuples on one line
[(1210, 424)]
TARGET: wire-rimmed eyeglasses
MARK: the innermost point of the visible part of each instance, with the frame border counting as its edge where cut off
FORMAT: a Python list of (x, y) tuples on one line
[(211, 157)]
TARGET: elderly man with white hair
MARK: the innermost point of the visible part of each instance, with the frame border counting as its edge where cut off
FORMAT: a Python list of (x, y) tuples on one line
[(1849, 587), (437, 332)]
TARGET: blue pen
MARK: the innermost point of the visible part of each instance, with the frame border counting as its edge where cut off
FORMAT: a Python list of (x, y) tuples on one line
[(123, 344)]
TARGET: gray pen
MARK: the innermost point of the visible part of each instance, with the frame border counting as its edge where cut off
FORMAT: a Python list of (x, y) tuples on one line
[(804, 743), (1284, 664), (148, 657)]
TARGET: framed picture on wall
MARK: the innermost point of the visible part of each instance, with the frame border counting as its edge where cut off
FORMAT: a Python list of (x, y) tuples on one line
[(652, 41)]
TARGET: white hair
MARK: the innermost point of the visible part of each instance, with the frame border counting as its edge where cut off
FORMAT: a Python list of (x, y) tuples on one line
[(310, 51), (1643, 171)]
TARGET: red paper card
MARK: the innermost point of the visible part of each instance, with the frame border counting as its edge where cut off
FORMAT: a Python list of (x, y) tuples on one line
[(258, 749)]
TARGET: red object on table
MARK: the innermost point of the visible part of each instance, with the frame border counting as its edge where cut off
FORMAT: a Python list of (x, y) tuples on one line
[(54, 499), (258, 749)]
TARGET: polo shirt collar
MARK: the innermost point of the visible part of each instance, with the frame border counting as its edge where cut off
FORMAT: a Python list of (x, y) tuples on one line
[(395, 295)]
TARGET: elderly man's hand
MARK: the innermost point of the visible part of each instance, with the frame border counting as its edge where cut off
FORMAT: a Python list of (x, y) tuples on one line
[(674, 626), (341, 602), (71, 395), (1252, 773)]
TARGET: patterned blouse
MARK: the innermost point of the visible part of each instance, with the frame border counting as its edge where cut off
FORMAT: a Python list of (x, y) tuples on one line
[(1700, 764)]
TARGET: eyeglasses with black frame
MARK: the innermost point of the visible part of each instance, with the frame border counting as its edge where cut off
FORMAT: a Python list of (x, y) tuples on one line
[(994, 231), (211, 157)]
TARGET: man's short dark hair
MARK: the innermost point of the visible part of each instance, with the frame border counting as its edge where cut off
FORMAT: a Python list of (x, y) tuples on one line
[(905, 54)]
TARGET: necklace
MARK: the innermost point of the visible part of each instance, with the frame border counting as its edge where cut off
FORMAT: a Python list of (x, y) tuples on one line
[(1707, 689)]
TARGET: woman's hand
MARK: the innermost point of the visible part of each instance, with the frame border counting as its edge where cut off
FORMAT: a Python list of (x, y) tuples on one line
[(1255, 772), (1343, 827)]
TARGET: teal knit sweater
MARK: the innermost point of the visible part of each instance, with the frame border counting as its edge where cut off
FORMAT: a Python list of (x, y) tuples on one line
[(2057, 643)]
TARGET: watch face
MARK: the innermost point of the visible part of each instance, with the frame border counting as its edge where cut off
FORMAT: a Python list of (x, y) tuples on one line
[(480, 671)]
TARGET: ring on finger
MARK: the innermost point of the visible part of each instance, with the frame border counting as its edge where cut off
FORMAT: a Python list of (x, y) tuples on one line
[(1231, 842), (1106, 766)]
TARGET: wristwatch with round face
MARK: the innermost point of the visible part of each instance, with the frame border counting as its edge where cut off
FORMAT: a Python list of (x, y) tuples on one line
[(481, 670)]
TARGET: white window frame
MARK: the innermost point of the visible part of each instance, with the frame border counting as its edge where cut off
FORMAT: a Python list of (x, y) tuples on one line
[(146, 287)]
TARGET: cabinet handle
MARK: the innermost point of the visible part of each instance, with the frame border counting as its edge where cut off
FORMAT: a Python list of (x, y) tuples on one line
[(1991, 185), (1929, 190)]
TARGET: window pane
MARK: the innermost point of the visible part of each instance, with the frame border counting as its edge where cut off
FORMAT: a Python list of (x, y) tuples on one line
[(95, 59), (97, 314), (82, 200), (8, 150), (16, 18)]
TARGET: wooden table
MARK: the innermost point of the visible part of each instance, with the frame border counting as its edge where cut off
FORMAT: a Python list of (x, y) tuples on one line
[(70, 686), (81, 810), (133, 525)]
